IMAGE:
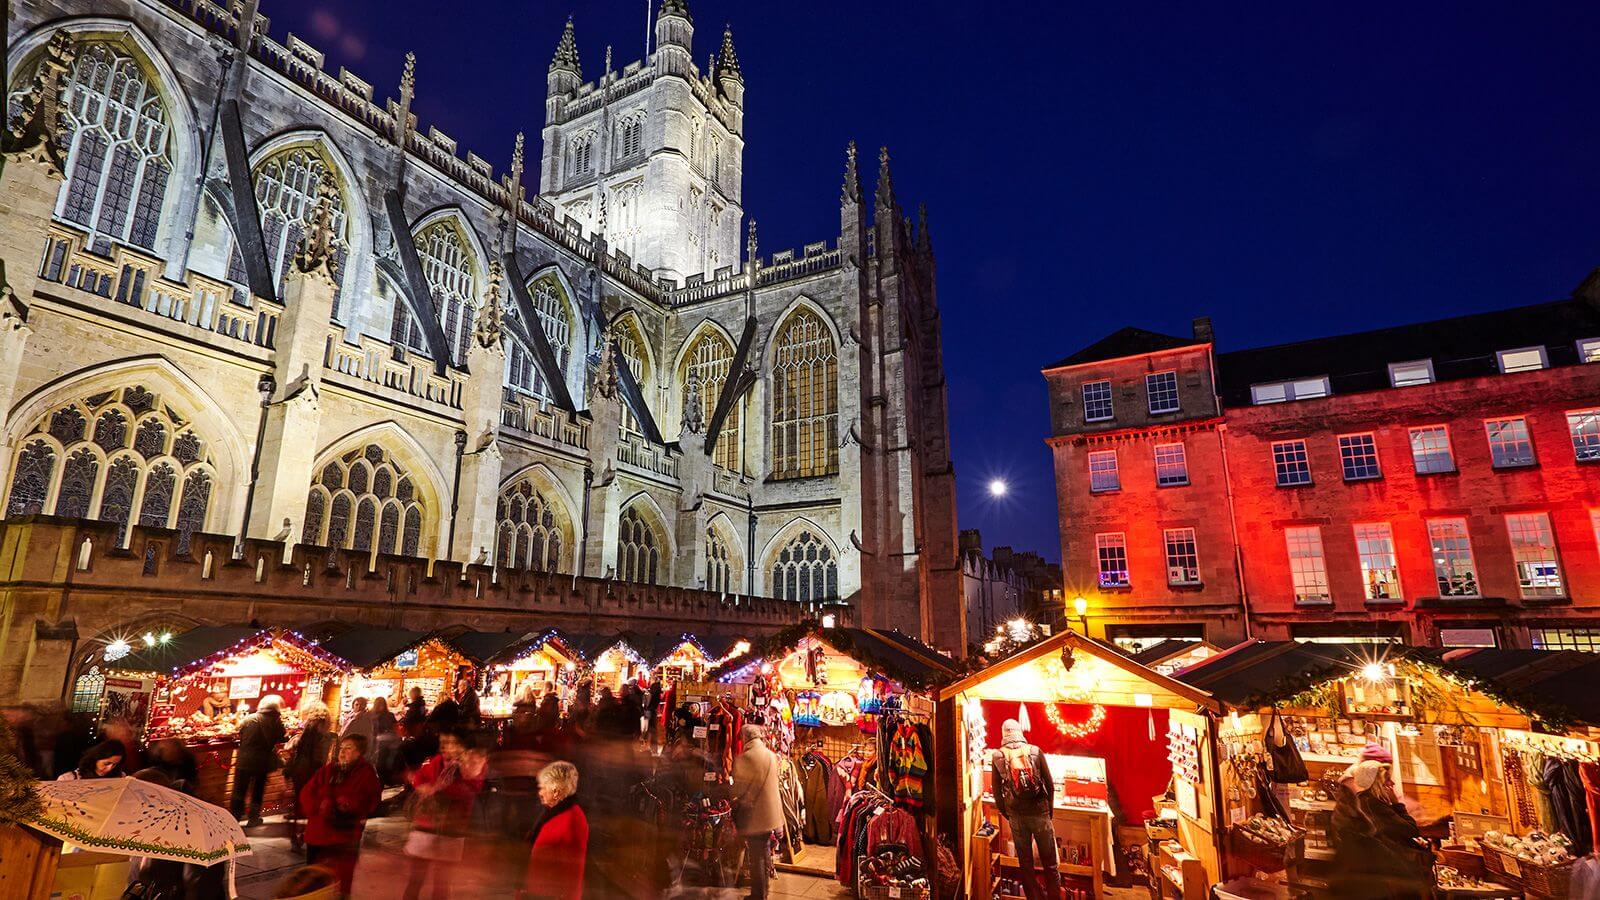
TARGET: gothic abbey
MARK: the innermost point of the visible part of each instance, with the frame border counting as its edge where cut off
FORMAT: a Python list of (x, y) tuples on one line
[(259, 320)]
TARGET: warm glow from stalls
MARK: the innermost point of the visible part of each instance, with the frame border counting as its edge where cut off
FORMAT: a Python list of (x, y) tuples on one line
[(1090, 680), (261, 662)]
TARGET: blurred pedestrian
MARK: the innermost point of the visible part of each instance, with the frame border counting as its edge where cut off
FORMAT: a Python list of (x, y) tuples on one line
[(103, 760), (757, 809), (385, 739), (337, 802), (308, 753), (446, 786), (467, 705), (257, 757), (560, 838), (416, 714), (177, 762)]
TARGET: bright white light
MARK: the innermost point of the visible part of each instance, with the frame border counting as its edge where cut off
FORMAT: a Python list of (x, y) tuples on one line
[(165, 637), (998, 487), (570, 666), (1373, 672), (1019, 628), (117, 649), (149, 639), (828, 620)]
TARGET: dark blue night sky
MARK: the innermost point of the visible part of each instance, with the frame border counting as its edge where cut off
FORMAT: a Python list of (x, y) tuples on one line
[(1290, 172)]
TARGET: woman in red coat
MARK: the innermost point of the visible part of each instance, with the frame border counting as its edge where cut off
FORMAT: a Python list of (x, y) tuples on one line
[(337, 801), (560, 837)]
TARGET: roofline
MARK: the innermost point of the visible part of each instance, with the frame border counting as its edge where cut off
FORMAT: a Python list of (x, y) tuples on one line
[(1060, 368), (1077, 642)]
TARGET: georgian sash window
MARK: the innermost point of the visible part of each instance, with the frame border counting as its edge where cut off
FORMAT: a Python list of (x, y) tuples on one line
[(286, 193), (117, 455), (707, 369), (365, 500), (530, 532), (119, 152), (805, 570), (448, 265), (638, 548), (805, 399)]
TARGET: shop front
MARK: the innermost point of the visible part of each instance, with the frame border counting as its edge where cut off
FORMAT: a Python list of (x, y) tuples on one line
[(1483, 749), (199, 687), (388, 663), (1128, 750), (612, 661), (850, 713), (545, 663)]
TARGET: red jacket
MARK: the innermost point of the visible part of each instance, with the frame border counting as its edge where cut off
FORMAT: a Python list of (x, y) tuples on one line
[(449, 808), (555, 867), (336, 813)]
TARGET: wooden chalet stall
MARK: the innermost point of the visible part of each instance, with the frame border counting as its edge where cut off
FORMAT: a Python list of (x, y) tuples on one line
[(1464, 733), (1119, 739), (545, 661), (1171, 656), (611, 660), (389, 662)]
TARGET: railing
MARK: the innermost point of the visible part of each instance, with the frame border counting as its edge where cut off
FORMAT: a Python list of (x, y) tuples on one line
[(805, 265), (784, 267), (134, 278), (540, 418), (376, 362), (641, 454), (729, 483)]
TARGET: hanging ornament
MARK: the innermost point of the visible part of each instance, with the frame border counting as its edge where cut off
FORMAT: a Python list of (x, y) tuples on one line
[(1152, 714), (1076, 730), (1022, 717)]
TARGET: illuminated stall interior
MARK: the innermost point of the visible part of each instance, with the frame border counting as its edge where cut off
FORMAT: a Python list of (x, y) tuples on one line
[(389, 662), (1459, 729), (1115, 735), (545, 661), (612, 661)]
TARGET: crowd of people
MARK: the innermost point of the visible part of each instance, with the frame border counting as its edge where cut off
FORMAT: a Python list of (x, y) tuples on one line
[(544, 801)]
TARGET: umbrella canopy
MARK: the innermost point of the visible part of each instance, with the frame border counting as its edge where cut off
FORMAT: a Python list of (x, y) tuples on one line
[(137, 818)]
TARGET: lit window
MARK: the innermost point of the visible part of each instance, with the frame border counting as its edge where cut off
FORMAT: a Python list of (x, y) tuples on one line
[(1379, 572), (1306, 565), (1281, 391), (1452, 558), (1097, 401), (1112, 552), (1430, 450), (1358, 455), (1103, 471), (1183, 559), (805, 404), (1533, 547), (1525, 359), (1587, 639), (1172, 467), (1585, 429), (1589, 350), (1509, 444), (1162, 387), (1406, 374), (1290, 462)]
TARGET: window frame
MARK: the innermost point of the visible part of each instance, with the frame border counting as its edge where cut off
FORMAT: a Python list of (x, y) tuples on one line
[(1588, 442), (1588, 350), (1115, 471), (1346, 459), (1449, 449), (1182, 462), (1500, 359), (1396, 367), (1298, 571), (1471, 556), (1150, 393), (1193, 554), (1110, 402), (1290, 390), (1525, 586), (1527, 438), (1107, 546), (1279, 462), (1385, 532)]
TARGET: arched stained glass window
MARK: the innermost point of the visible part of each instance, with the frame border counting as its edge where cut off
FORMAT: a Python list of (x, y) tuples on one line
[(805, 398), (354, 490), (448, 263), (805, 570), (719, 569), (119, 153), (630, 344), (411, 537), (550, 305), (530, 529), (389, 525), (316, 505), (339, 521), (638, 548), (145, 479), (286, 193), (706, 370)]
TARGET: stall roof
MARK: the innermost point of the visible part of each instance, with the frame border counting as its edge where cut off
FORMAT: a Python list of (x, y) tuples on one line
[(369, 648), (1167, 649), (482, 646), (208, 643), (520, 648), (1557, 685), (655, 648), (718, 646), (905, 659), (1104, 651)]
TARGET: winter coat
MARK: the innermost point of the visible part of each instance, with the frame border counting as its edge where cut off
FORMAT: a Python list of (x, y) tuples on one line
[(448, 809), (560, 844), (1376, 856), (337, 807), (1005, 791), (259, 738), (312, 750), (755, 790)]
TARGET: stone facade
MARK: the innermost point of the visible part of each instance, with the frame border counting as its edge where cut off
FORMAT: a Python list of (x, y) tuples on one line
[(238, 307)]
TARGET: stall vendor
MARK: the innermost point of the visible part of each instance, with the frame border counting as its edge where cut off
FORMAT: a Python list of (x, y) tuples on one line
[(216, 703)]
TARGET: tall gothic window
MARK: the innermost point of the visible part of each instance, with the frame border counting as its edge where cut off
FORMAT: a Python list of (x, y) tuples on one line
[(550, 305), (581, 157), (805, 570), (629, 343), (151, 459), (286, 193), (530, 530), (719, 566), (707, 366), (630, 136), (404, 329), (364, 500), (805, 399), (716, 161), (119, 154), (448, 263), (639, 548)]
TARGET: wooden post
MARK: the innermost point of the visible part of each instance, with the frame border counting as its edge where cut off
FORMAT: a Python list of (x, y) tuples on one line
[(27, 863)]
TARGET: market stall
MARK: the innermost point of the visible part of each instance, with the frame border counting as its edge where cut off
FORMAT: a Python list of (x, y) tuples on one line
[(389, 662), (612, 660), (675, 658), (1129, 751), (1171, 656), (1482, 746), (199, 687), (850, 711), (546, 661)]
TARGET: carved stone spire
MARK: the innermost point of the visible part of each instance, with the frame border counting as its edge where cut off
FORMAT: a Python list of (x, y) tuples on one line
[(727, 59), (408, 92), (885, 181), (675, 8), (567, 52), (513, 185), (315, 253), (40, 124), (490, 327), (851, 192), (603, 377), (750, 245), (924, 242)]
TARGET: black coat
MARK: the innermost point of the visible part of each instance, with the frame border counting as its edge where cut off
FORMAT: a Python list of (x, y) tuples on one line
[(259, 738), (1005, 793), (1376, 855)]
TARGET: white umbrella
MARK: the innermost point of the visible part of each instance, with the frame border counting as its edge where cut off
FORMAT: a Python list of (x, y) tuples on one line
[(137, 818)]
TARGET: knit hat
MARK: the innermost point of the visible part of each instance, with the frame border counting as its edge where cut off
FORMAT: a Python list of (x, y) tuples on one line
[(1376, 751)]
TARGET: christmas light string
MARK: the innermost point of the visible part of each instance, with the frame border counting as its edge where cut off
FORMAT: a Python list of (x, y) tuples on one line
[(1076, 730)]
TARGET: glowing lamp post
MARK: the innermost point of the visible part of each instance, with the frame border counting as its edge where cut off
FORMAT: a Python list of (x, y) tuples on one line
[(1081, 607)]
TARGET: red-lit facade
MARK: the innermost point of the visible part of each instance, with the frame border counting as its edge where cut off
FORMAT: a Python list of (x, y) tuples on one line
[(1337, 511)]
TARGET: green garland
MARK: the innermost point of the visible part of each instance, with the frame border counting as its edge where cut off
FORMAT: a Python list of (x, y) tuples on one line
[(19, 799)]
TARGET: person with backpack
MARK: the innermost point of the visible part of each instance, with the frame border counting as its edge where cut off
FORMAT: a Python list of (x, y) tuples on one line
[(1025, 794)]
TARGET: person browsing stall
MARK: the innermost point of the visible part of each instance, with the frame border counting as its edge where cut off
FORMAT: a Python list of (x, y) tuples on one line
[(1024, 793)]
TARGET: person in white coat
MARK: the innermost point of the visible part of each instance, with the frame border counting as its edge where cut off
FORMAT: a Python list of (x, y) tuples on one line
[(757, 809)]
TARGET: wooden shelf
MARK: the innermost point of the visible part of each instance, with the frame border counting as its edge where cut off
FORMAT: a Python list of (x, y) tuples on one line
[(1000, 859), (1329, 758)]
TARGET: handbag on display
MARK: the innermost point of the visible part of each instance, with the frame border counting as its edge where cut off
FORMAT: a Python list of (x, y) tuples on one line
[(1287, 766)]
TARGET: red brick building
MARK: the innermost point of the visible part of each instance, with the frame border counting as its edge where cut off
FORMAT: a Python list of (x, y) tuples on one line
[(1436, 483)]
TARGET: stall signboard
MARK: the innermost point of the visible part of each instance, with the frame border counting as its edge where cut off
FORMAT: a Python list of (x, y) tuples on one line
[(407, 659), (245, 687), (128, 698)]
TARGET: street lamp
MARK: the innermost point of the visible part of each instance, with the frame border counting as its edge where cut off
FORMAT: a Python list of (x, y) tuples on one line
[(1081, 606)]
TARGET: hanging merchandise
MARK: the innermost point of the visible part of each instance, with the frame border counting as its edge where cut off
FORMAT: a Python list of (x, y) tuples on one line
[(1287, 766)]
